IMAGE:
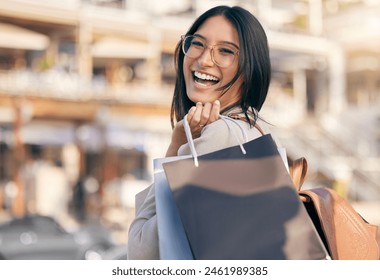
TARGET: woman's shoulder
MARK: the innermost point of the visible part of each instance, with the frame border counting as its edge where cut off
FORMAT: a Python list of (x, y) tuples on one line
[(221, 134), (236, 128)]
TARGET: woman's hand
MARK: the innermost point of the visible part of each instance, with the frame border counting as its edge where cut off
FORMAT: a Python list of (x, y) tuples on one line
[(201, 115), (198, 116)]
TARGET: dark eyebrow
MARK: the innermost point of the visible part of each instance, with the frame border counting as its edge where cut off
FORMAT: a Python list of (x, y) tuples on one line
[(225, 42)]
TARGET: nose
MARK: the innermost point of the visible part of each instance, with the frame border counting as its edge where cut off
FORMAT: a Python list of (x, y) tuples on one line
[(206, 58)]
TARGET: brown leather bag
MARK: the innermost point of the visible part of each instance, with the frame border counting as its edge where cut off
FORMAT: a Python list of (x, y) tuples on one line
[(345, 234)]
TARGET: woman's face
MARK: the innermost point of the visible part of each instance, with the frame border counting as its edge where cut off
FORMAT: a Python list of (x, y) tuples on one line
[(202, 76)]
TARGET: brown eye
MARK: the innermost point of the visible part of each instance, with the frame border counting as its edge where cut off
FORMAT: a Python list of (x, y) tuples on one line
[(197, 43), (226, 51)]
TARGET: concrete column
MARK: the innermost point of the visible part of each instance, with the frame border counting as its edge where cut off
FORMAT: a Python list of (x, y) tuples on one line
[(299, 89), (84, 40), (52, 50), (18, 203), (315, 17), (153, 60), (337, 78), (264, 9)]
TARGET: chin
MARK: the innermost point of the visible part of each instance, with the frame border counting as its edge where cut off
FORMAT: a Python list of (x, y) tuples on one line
[(201, 96), (202, 100)]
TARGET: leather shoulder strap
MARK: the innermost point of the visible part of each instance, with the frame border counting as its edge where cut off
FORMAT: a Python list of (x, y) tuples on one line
[(238, 117), (259, 129), (298, 171)]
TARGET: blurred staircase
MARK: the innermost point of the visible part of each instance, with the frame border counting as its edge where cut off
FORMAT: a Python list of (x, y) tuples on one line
[(328, 155)]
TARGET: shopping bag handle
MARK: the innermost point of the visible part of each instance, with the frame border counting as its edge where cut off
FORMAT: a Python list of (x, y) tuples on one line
[(225, 119)]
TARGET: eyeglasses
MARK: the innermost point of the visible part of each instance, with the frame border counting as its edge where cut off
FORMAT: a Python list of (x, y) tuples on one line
[(222, 54)]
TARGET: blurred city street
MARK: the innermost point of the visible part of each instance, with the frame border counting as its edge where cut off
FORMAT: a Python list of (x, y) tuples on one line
[(85, 96)]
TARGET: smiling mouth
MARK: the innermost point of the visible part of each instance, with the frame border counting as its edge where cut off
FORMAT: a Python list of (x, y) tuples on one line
[(205, 79)]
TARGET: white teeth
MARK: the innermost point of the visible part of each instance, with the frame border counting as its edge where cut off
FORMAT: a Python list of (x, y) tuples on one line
[(205, 77)]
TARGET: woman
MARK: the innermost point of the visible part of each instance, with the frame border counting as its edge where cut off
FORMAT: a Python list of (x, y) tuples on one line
[(223, 67)]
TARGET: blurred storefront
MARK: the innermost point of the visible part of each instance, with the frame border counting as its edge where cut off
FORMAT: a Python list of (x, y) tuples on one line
[(105, 148)]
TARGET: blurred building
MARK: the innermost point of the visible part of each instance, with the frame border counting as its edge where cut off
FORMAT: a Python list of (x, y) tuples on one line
[(85, 75), (98, 75)]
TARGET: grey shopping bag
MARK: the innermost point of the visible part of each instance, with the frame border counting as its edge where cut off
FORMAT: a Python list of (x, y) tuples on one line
[(242, 206), (173, 243)]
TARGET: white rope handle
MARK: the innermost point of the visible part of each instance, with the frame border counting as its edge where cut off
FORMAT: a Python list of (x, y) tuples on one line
[(225, 119), (190, 140)]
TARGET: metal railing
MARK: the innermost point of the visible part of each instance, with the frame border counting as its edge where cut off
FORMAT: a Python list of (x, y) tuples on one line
[(71, 86)]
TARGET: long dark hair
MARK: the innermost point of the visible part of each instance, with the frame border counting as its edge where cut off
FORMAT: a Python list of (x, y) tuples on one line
[(254, 63)]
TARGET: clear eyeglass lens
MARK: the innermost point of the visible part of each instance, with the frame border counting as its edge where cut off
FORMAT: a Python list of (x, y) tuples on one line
[(222, 54)]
